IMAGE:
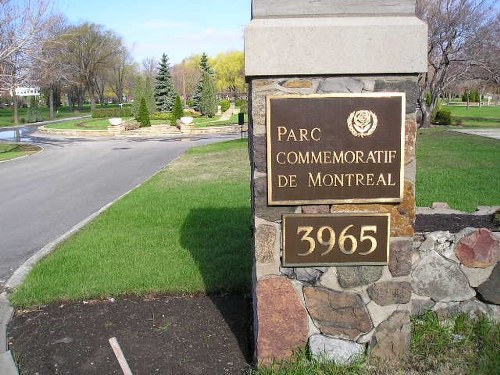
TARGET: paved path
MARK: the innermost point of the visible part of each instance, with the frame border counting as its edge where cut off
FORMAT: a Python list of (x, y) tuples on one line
[(44, 195), (488, 133)]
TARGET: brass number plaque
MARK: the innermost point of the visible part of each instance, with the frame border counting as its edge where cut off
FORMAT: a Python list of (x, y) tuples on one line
[(335, 239), (335, 148)]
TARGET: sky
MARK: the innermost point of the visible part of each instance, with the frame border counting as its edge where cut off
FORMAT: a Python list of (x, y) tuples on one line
[(179, 28)]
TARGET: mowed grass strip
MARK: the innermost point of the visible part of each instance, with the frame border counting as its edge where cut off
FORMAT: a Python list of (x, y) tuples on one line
[(81, 124), (186, 230), (6, 114), (475, 116), (462, 170), (14, 150)]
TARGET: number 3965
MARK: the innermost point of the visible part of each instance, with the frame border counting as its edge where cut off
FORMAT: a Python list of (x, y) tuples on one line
[(325, 239)]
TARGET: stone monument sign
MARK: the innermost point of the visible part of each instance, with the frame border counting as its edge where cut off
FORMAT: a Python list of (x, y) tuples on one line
[(333, 88)]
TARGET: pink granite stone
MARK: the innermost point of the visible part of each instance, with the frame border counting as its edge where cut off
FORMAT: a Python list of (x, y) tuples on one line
[(480, 249), (281, 321)]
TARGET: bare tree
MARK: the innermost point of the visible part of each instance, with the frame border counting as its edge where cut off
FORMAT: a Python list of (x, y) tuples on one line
[(149, 66), (24, 26), (122, 69), (186, 76), (89, 51), (458, 30)]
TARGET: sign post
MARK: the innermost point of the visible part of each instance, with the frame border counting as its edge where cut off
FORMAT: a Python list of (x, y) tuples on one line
[(332, 136)]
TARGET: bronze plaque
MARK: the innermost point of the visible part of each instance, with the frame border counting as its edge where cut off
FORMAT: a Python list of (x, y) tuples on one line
[(335, 239), (335, 148)]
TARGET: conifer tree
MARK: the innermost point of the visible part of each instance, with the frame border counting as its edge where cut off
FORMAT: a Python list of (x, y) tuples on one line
[(164, 87), (208, 101), (143, 89), (177, 111), (204, 67), (143, 117)]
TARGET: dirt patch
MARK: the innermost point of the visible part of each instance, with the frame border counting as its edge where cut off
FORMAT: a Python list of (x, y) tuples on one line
[(161, 335)]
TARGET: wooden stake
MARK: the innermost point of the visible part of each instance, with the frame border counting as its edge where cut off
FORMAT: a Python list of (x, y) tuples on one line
[(119, 356)]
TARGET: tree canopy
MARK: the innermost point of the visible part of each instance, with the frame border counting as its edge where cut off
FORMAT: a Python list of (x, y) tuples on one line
[(463, 44)]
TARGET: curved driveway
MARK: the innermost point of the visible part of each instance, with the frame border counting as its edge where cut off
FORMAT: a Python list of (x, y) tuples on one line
[(44, 195)]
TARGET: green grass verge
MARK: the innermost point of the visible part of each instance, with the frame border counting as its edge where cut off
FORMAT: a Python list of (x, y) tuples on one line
[(475, 117), (63, 112), (203, 122), (81, 124), (186, 230), (14, 150), (459, 169)]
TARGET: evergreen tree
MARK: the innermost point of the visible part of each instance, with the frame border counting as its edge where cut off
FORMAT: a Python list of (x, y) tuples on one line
[(208, 101), (204, 67), (178, 110), (164, 92), (143, 89), (143, 117)]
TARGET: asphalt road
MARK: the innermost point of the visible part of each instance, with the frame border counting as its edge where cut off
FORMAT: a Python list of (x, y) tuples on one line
[(44, 195)]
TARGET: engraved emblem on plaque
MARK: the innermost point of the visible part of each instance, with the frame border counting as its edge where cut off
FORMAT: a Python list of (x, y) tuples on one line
[(362, 123)]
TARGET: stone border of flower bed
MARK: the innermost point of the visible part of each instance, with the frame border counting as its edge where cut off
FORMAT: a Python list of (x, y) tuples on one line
[(155, 130)]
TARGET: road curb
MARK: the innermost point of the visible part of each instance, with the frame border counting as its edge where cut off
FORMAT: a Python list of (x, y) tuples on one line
[(7, 364)]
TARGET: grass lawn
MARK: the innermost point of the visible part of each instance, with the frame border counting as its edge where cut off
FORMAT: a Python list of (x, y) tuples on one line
[(203, 122), (81, 124), (475, 117), (63, 112), (186, 230), (14, 150), (456, 168)]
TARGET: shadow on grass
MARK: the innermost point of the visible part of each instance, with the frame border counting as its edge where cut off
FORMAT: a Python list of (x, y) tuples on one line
[(219, 240)]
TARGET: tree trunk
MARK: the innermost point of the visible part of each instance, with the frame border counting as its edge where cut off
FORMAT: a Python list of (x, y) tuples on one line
[(14, 109), (92, 101), (426, 116), (51, 103)]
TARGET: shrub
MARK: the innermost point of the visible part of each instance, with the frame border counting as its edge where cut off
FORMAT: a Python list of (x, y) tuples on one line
[(443, 117), (178, 110), (167, 116), (131, 125), (224, 105), (242, 104), (112, 112), (474, 96), (428, 98), (192, 113), (143, 117)]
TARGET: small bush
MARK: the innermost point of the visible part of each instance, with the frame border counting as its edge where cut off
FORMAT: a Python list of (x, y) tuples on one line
[(131, 125), (112, 112), (224, 105), (167, 116), (242, 104), (143, 116), (443, 117), (192, 113)]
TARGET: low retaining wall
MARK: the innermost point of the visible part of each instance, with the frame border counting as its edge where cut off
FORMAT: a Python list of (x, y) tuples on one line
[(155, 130), (457, 273)]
